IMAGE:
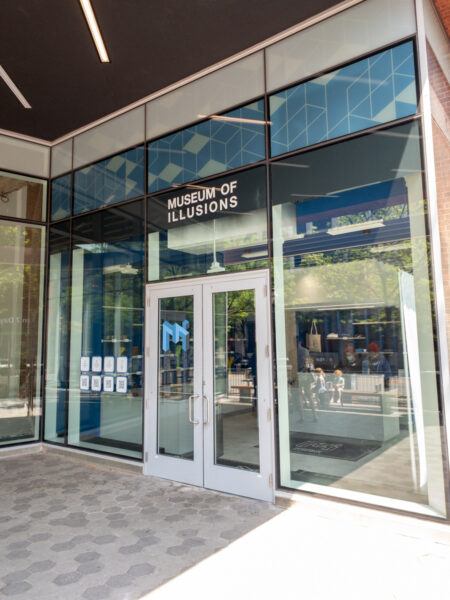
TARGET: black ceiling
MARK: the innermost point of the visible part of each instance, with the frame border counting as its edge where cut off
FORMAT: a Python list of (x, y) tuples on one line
[(47, 50)]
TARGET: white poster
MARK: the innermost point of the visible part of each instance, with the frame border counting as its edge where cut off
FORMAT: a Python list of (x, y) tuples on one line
[(122, 364), (122, 385), (97, 364), (96, 383), (108, 364), (84, 382), (108, 384), (85, 363)]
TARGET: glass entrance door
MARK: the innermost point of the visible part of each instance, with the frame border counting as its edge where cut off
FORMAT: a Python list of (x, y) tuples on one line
[(208, 390)]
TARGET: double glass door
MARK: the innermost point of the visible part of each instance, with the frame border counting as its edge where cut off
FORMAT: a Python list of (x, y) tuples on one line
[(208, 384)]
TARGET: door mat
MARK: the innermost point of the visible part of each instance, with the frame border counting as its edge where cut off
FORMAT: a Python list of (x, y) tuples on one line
[(329, 447)]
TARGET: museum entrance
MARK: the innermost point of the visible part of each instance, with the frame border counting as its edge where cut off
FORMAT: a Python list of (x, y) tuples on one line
[(209, 383)]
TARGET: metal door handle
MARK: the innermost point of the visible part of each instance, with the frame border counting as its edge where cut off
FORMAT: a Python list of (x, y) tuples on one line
[(207, 410), (191, 420)]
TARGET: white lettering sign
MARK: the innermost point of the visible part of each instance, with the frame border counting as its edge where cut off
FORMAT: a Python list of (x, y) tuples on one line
[(206, 201)]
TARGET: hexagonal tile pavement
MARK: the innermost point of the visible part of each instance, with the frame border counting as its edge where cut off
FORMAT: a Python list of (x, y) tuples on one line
[(73, 528)]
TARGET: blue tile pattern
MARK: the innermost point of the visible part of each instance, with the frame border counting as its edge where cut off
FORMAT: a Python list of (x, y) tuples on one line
[(61, 190), (371, 91), (211, 147), (109, 181)]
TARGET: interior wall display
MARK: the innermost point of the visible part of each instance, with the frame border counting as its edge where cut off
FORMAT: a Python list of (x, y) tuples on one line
[(112, 180), (210, 147), (365, 93), (96, 383), (84, 382), (85, 364), (121, 385), (108, 364), (108, 383), (122, 364), (97, 364)]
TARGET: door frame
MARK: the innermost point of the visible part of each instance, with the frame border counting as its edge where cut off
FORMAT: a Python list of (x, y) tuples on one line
[(152, 461)]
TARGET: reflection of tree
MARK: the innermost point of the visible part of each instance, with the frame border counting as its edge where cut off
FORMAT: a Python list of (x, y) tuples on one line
[(240, 305), (20, 305)]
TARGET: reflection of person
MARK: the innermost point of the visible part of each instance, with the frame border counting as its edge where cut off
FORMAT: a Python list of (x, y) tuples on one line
[(338, 386), (378, 363), (303, 358), (306, 384), (319, 386), (351, 363)]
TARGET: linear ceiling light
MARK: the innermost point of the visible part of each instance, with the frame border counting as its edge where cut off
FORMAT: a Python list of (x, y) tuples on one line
[(15, 90), (234, 119), (95, 31), (355, 227)]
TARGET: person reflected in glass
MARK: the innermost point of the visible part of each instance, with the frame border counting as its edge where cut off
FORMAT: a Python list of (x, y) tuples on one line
[(338, 387), (378, 364), (351, 362), (319, 386), (306, 381)]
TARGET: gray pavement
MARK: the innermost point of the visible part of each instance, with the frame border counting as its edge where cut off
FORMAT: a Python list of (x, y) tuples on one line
[(73, 528)]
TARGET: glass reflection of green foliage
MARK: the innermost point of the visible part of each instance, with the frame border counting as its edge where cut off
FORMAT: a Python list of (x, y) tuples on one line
[(240, 305)]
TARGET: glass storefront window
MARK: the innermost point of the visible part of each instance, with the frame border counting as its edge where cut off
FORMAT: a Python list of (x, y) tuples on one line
[(366, 93), (57, 333), (109, 181), (213, 227), (357, 385), (22, 197), (107, 316), (61, 189), (222, 143), (22, 252)]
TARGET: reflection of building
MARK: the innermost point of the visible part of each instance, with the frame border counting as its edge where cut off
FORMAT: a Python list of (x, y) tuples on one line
[(315, 164)]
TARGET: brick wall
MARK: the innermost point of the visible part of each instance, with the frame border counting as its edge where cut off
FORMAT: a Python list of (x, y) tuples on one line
[(443, 7), (440, 108)]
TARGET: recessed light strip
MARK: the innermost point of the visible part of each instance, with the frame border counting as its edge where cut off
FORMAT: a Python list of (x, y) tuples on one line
[(235, 119), (95, 31), (13, 87)]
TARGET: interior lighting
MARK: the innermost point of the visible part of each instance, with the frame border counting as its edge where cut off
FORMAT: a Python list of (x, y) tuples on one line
[(95, 31), (15, 90), (288, 164), (254, 254), (340, 230), (234, 119)]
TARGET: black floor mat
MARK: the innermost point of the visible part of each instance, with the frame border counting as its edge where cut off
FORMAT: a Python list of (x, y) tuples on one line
[(331, 447)]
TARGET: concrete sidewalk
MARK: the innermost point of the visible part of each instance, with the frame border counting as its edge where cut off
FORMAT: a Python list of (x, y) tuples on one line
[(74, 528)]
